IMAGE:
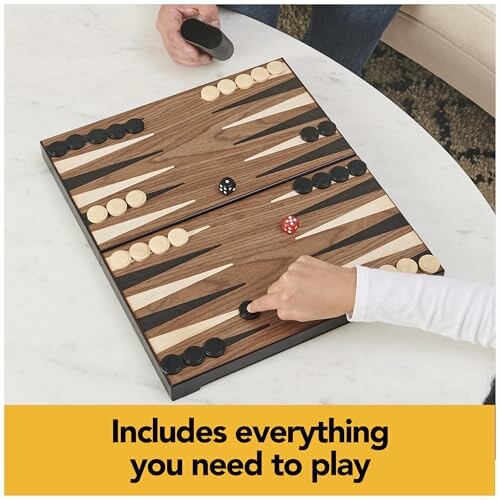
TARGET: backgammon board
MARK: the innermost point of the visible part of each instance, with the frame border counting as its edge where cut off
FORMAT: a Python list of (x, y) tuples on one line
[(183, 250)]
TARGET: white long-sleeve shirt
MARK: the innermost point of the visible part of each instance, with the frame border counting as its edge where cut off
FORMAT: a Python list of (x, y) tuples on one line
[(453, 308)]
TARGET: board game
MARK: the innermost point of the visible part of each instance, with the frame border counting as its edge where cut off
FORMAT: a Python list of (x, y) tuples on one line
[(185, 203)]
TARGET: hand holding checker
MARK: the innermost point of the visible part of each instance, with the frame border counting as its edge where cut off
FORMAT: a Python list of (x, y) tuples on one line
[(310, 290), (169, 22)]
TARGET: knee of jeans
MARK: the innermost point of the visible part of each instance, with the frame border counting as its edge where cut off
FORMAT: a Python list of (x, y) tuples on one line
[(267, 14)]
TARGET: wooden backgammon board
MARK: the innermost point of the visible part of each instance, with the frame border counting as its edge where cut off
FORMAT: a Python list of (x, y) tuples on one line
[(182, 202)]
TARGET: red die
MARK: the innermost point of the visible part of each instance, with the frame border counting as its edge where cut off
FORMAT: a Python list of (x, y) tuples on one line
[(290, 224)]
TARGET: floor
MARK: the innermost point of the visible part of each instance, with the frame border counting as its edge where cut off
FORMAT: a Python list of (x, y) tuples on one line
[(462, 128)]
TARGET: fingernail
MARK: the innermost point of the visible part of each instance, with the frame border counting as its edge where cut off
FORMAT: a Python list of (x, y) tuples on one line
[(250, 308), (215, 23)]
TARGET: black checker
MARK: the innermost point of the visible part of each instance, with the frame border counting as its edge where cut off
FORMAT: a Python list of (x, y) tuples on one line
[(134, 126), (309, 134), (75, 141), (193, 355), (245, 313), (339, 174), (357, 167), (116, 131), (321, 180), (58, 148), (302, 185), (327, 128), (171, 363), (97, 136), (214, 347)]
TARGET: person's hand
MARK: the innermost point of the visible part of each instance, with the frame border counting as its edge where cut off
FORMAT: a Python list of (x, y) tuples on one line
[(170, 18), (310, 290)]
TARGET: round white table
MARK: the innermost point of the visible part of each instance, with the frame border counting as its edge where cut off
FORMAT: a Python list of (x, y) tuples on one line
[(67, 338)]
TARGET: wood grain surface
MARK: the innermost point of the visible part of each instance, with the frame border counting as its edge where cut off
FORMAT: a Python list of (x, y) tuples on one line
[(236, 247), (242, 252), (203, 142)]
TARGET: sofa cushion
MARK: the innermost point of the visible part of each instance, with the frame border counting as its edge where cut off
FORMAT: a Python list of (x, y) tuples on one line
[(455, 42)]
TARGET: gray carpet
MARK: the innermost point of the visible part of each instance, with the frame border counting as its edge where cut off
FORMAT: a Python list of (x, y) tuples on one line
[(462, 128)]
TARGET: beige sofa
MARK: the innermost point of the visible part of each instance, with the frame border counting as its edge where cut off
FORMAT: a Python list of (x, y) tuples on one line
[(455, 42)]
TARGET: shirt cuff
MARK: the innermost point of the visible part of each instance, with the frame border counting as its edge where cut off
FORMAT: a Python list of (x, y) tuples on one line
[(361, 300)]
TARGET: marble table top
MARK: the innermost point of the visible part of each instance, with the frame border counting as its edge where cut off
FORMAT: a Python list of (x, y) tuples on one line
[(67, 338)]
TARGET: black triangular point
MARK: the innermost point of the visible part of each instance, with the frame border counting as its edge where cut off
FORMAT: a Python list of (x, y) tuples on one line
[(326, 150), (358, 190), (158, 318), (132, 279), (312, 114), (281, 88), (80, 180), (390, 224)]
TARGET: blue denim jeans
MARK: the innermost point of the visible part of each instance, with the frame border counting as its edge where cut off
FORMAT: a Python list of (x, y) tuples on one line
[(346, 33)]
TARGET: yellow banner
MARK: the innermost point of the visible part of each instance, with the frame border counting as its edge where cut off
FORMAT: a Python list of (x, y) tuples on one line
[(220, 450)]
